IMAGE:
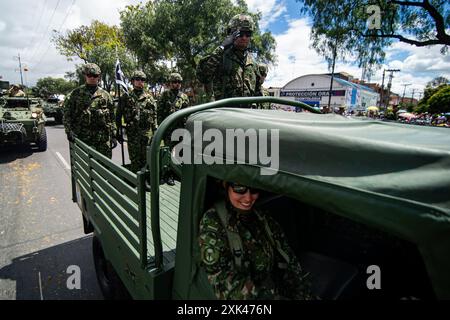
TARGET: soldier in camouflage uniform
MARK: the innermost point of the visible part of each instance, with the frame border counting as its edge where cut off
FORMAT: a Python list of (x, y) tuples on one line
[(16, 91), (89, 113), (261, 91), (171, 101), (245, 253), (139, 112), (230, 70)]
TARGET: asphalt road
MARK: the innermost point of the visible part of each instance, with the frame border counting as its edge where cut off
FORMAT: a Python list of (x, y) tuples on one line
[(41, 232)]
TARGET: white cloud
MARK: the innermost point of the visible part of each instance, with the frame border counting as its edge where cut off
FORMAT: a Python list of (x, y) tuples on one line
[(417, 65), (270, 10)]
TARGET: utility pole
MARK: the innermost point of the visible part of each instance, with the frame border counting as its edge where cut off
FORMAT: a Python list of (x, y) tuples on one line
[(404, 90), (20, 69), (332, 75), (382, 90), (389, 85), (412, 96)]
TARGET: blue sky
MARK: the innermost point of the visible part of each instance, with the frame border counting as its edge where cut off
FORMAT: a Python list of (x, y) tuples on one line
[(31, 38), (295, 58)]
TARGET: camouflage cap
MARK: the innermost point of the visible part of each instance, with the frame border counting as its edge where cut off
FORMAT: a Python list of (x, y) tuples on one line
[(91, 68), (175, 77), (262, 68), (241, 22), (138, 74)]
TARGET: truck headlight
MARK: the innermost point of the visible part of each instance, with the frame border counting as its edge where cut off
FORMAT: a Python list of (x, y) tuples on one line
[(34, 115)]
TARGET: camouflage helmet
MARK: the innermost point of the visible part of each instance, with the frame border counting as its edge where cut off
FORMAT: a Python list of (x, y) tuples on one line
[(175, 77), (262, 68), (138, 74), (241, 22), (91, 68)]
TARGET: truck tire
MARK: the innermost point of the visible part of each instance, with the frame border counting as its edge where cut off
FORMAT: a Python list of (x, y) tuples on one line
[(42, 140), (110, 284)]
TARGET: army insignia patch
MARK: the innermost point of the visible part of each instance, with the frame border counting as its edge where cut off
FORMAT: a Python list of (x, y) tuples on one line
[(210, 255)]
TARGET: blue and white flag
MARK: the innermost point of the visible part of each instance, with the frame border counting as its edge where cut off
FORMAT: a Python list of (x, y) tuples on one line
[(120, 77)]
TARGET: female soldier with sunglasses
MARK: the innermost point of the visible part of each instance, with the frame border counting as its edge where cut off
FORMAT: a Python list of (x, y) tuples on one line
[(245, 253)]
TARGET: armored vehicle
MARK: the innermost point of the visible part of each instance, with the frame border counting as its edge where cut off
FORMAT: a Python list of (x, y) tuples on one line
[(22, 121), (365, 205), (53, 109)]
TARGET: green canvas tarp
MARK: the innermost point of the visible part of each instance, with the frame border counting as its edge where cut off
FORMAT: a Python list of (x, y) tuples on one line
[(394, 177)]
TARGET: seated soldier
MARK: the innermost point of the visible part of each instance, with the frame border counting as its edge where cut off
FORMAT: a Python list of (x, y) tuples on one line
[(245, 253)]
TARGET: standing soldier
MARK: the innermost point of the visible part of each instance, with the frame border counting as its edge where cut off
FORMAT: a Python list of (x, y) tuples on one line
[(230, 70), (261, 91), (89, 113), (139, 112), (16, 91), (171, 101)]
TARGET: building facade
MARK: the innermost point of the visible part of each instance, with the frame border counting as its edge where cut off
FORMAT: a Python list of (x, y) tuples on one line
[(314, 89)]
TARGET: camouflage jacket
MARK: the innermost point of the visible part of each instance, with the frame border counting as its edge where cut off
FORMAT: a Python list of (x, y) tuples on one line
[(266, 105), (264, 273), (228, 74), (169, 102), (139, 112), (90, 116)]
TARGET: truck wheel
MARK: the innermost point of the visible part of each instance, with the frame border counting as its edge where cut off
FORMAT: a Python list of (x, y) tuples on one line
[(42, 140), (110, 284)]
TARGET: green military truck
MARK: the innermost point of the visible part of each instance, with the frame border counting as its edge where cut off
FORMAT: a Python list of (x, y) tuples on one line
[(356, 199), (22, 121)]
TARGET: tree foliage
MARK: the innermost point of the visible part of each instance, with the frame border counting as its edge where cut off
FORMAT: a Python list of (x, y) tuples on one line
[(51, 86), (440, 101), (174, 34), (97, 43), (345, 22)]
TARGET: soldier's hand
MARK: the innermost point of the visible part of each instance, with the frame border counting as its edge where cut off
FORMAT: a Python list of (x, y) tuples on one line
[(229, 40), (113, 143), (71, 137)]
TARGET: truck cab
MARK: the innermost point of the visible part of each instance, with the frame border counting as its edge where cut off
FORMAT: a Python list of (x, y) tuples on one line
[(357, 200)]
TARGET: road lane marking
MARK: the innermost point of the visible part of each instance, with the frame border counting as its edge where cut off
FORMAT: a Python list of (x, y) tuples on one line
[(63, 160), (40, 286)]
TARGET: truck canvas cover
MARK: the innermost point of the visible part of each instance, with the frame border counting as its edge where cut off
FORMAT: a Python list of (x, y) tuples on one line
[(390, 176)]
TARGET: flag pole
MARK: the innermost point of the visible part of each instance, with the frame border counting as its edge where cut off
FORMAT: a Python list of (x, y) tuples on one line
[(119, 82)]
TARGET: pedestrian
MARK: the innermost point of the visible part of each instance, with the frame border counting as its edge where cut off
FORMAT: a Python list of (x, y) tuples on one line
[(138, 110), (89, 113), (245, 253), (230, 70)]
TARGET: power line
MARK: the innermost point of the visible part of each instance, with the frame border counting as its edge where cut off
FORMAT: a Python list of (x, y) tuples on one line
[(59, 29), (37, 27), (46, 30)]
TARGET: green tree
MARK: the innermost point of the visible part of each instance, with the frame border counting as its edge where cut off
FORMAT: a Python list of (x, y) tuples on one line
[(97, 43), (180, 32), (436, 82), (354, 24), (440, 101), (50, 86)]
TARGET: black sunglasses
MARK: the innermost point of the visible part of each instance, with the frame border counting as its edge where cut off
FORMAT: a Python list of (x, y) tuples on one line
[(240, 189), (245, 33), (140, 79), (92, 75), (176, 81)]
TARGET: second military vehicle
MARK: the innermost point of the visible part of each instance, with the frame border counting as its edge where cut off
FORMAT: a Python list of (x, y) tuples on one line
[(53, 109), (365, 205), (22, 121)]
